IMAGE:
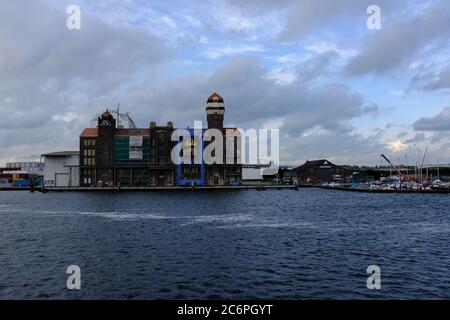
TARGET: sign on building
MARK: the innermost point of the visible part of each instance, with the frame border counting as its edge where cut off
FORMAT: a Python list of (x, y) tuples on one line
[(136, 148)]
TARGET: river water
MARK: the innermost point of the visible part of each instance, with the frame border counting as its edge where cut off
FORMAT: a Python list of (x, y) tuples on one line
[(281, 244)]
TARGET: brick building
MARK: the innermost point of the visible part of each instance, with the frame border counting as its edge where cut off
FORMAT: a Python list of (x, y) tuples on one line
[(111, 156)]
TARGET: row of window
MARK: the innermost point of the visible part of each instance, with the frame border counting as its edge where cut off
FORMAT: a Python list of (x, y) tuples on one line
[(89, 142), (88, 172), (89, 161), (89, 152), (88, 176)]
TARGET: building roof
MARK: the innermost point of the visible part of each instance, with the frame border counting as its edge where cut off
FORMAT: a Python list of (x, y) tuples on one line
[(61, 154), (89, 132), (215, 97), (314, 163)]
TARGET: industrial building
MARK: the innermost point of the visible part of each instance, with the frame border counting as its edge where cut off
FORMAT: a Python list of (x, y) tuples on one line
[(61, 169), (21, 174), (116, 156), (318, 171), (28, 167)]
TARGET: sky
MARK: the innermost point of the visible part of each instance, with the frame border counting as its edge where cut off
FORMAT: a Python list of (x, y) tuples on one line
[(312, 68)]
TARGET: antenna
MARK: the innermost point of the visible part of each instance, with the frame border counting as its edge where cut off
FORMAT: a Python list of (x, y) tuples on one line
[(118, 117)]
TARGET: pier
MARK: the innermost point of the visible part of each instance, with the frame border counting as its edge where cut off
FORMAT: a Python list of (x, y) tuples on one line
[(174, 188), (225, 188)]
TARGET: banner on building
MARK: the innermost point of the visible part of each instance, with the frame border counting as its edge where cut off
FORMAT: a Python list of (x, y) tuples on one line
[(136, 148)]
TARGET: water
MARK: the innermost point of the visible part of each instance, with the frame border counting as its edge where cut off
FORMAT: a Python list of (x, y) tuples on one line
[(304, 244)]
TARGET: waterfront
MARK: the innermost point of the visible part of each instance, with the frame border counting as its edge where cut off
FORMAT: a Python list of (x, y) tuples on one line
[(281, 244)]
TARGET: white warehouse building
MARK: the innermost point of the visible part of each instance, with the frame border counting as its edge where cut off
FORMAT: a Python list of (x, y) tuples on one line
[(61, 169)]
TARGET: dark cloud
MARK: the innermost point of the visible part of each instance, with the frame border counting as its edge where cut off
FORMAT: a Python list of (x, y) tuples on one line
[(440, 122), (307, 16), (48, 70), (251, 97), (397, 43), (442, 81), (252, 100), (418, 137), (432, 77), (342, 147), (61, 78), (58, 79)]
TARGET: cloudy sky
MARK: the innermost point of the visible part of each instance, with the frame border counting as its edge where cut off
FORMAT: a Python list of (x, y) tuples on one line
[(312, 68)]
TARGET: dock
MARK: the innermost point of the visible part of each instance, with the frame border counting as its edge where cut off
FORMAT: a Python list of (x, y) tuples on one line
[(171, 188), (223, 188), (367, 190)]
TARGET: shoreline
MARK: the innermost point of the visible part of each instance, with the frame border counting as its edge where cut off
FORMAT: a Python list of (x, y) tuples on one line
[(219, 188), (365, 190), (174, 188)]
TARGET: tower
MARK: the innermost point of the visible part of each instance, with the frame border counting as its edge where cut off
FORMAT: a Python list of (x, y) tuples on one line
[(215, 111), (104, 148)]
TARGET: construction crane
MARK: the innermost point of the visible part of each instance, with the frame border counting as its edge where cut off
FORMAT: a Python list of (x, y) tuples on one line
[(393, 166)]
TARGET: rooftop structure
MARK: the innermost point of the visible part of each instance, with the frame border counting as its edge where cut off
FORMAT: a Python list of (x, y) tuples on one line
[(123, 120)]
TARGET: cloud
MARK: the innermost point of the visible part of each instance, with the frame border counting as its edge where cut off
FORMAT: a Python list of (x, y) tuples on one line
[(56, 79), (217, 52), (310, 16), (441, 81), (325, 47), (277, 63), (440, 122), (254, 100), (432, 77), (341, 147), (396, 146), (418, 137), (400, 41)]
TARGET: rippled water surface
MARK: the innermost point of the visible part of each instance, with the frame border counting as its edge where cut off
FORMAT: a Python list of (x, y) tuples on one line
[(273, 244)]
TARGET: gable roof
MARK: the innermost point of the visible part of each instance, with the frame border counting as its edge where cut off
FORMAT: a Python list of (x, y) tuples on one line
[(61, 154), (89, 132), (315, 163)]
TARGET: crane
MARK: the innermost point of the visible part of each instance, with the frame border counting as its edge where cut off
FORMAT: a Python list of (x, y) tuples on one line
[(393, 166)]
